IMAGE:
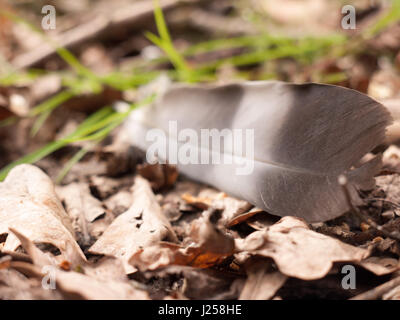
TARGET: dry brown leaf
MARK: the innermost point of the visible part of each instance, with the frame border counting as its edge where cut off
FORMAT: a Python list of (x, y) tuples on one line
[(30, 205), (76, 285), (39, 258), (172, 211), (105, 187), (119, 202), (243, 217), (5, 262), (232, 209), (298, 251), (141, 226), (82, 208), (230, 206), (391, 157), (96, 289), (15, 286), (209, 247), (261, 284), (261, 221), (393, 294), (77, 197), (159, 175), (105, 280), (198, 202), (393, 105), (380, 265), (391, 185)]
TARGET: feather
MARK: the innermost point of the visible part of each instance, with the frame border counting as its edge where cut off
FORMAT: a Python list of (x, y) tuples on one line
[(305, 136)]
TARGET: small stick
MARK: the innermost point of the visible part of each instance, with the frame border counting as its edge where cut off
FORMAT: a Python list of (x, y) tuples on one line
[(343, 182), (379, 291), (92, 29)]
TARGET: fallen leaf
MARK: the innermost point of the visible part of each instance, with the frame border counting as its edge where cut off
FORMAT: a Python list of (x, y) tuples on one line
[(230, 206), (391, 185), (261, 283), (75, 283), (201, 203), (139, 227), (380, 265), (77, 197), (82, 208), (119, 202), (243, 217), (30, 205), (391, 158), (298, 251), (159, 175), (393, 294), (105, 280), (209, 246), (15, 286), (105, 187)]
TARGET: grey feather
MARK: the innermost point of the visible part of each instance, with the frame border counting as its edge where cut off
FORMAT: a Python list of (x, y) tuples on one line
[(305, 136)]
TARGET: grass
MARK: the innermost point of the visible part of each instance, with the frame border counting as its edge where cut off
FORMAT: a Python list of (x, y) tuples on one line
[(164, 42), (257, 49), (95, 128), (44, 109), (392, 16)]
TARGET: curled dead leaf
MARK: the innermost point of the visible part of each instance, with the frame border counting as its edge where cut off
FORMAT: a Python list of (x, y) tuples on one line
[(243, 217), (159, 175), (141, 226), (209, 247), (298, 251), (83, 209), (261, 284), (30, 205), (380, 265), (104, 281)]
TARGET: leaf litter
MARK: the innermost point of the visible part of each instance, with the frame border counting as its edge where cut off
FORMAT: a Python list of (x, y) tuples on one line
[(223, 241), (114, 230)]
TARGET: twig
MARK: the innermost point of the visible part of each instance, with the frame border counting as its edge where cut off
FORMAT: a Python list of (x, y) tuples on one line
[(379, 291), (211, 22), (383, 200), (92, 29), (343, 182)]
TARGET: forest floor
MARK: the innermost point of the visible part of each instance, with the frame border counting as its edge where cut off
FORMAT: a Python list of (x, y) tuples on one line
[(106, 225)]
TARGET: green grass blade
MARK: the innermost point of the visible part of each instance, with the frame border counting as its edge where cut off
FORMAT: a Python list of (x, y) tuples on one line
[(165, 43), (391, 17), (39, 122), (160, 22), (87, 130), (45, 109), (71, 162), (32, 157)]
